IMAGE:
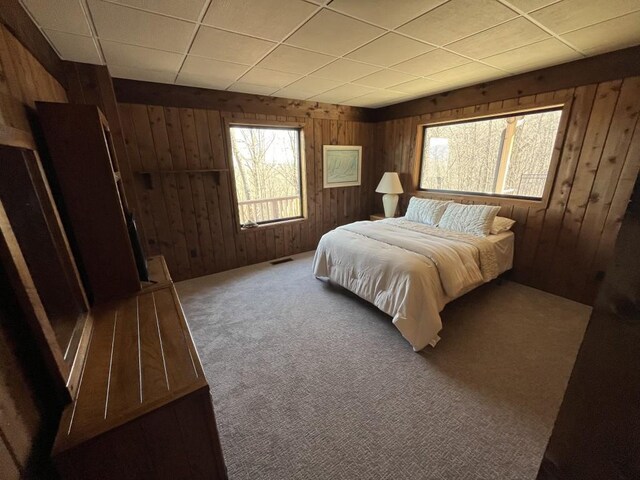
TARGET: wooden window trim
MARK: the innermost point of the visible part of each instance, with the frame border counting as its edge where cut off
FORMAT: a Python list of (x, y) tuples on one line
[(303, 128), (457, 116)]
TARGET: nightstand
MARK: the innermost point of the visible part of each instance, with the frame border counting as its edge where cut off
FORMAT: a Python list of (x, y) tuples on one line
[(376, 216)]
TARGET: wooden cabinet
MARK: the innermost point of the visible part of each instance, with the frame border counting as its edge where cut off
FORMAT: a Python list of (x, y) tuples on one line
[(142, 408), (85, 177), (140, 404)]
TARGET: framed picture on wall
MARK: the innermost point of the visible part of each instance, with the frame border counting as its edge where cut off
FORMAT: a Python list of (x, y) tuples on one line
[(342, 165)]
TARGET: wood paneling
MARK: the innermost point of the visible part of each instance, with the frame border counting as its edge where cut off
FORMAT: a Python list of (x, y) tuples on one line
[(188, 213), (148, 93), (24, 408), (17, 20), (561, 248), (597, 432), (23, 81), (591, 70)]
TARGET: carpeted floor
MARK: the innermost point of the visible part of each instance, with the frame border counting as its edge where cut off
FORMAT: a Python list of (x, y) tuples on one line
[(310, 382)]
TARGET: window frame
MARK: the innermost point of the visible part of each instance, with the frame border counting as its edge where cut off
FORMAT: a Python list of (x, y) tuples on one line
[(266, 124), (459, 116)]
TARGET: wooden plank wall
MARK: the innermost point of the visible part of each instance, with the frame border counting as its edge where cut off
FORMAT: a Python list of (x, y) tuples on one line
[(189, 216), (23, 80), (562, 248)]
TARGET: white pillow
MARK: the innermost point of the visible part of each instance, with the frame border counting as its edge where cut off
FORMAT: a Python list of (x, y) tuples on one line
[(501, 224), (473, 219), (424, 210)]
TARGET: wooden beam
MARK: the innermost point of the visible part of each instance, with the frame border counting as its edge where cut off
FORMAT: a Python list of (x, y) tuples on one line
[(19, 23), (600, 68), (148, 93), (15, 137)]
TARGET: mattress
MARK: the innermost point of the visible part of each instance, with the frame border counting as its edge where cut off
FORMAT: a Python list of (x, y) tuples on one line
[(410, 270), (504, 249)]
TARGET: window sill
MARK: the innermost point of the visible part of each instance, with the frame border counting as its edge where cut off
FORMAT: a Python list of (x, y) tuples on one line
[(498, 199), (267, 226)]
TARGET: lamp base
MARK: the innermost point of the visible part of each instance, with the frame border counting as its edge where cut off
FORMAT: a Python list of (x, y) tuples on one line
[(390, 202)]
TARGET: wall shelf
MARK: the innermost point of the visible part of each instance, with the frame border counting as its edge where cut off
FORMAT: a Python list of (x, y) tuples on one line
[(204, 170), (147, 175)]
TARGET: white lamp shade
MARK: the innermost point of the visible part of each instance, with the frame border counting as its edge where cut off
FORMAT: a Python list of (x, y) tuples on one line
[(390, 183)]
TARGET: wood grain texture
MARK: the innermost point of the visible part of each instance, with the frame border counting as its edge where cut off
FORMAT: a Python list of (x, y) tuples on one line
[(143, 399), (148, 93), (140, 357), (596, 69), (178, 440), (35, 222), (561, 247), (84, 170), (597, 432), (189, 215), (23, 81), (14, 17), (92, 85)]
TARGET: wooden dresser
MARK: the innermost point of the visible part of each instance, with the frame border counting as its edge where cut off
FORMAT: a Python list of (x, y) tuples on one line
[(142, 408)]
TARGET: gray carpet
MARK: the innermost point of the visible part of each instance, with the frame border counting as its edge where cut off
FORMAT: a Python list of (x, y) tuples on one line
[(310, 382)]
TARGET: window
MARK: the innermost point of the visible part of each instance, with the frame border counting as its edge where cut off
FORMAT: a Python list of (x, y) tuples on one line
[(505, 156), (266, 166)]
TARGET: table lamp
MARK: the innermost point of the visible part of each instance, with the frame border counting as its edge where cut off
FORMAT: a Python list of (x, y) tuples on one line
[(390, 185)]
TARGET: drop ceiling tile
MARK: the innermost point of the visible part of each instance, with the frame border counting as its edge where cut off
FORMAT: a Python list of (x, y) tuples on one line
[(251, 88), (530, 5), (156, 76), (431, 62), (127, 25), (231, 47), (384, 79), (333, 33), (65, 16), (248, 16), (204, 81), (611, 35), (466, 74), (420, 85), (140, 57), (457, 19), (76, 48), (268, 78), (570, 15), (512, 34), (386, 13), (389, 49), (345, 70), (213, 70), (293, 60), (307, 87), (342, 93), (376, 99), (187, 9), (530, 57)]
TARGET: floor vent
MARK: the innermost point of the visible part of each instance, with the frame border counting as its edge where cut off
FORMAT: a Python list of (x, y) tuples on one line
[(282, 260)]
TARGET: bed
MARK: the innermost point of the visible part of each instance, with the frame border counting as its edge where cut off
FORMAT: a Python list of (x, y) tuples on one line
[(411, 270)]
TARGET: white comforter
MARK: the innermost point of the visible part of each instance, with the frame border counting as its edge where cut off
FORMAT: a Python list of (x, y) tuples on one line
[(406, 269)]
